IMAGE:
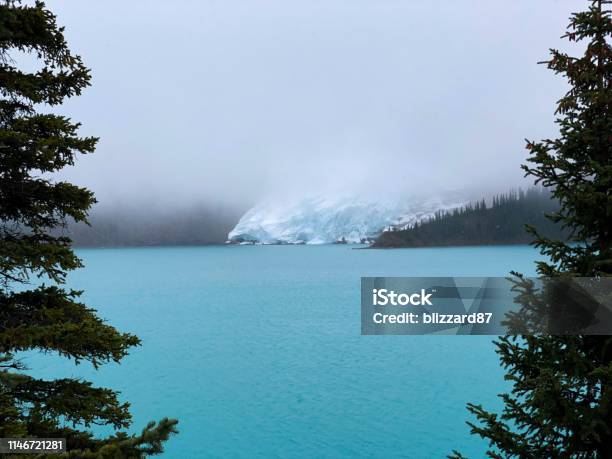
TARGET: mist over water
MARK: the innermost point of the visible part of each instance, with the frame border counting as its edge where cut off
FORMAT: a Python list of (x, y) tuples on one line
[(229, 103)]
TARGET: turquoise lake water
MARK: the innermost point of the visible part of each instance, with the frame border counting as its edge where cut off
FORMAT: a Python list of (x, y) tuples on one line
[(257, 350)]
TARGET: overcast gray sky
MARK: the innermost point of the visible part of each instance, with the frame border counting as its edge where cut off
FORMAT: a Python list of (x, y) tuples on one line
[(225, 100)]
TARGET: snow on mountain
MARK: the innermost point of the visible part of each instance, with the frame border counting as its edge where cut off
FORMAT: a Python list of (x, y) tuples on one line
[(322, 220)]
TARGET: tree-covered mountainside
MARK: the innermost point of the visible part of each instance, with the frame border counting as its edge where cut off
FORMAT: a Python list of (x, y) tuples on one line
[(121, 226), (502, 222)]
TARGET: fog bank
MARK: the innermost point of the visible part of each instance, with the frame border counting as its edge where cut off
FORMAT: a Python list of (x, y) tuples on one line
[(229, 102)]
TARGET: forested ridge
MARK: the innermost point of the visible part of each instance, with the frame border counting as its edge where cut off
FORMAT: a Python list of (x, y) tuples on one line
[(501, 222), (197, 224)]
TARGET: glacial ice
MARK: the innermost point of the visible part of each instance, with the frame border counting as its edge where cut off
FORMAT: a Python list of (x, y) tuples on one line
[(324, 220)]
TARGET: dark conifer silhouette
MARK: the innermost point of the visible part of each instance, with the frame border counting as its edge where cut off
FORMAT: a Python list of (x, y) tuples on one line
[(561, 400), (33, 206)]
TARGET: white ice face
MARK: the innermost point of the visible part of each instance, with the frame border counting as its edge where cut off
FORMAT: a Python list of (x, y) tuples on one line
[(323, 220)]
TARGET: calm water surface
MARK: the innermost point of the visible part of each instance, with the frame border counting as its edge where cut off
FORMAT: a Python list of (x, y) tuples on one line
[(257, 350)]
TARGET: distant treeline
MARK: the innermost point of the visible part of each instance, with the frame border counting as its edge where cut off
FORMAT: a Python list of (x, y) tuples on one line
[(134, 226), (476, 224)]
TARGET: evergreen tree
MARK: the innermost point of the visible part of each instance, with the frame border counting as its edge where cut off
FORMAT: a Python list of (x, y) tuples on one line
[(33, 210), (561, 401)]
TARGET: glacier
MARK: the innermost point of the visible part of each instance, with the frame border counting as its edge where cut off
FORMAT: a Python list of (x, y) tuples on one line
[(325, 220)]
